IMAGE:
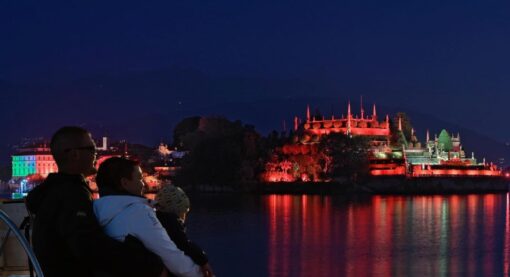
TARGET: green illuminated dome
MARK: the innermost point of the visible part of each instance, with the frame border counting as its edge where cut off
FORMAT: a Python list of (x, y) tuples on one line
[(445, 140)]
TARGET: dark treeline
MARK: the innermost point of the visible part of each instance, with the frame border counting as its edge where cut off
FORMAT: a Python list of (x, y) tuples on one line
[(220, 152)]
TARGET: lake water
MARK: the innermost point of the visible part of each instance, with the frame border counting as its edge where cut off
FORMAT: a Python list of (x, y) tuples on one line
[(284, 235)]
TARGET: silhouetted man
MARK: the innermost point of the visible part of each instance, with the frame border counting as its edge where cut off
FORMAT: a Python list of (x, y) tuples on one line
[(67, 239)]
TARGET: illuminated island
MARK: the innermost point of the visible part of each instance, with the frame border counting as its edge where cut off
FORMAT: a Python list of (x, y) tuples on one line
[(339, 154), (382, 156)]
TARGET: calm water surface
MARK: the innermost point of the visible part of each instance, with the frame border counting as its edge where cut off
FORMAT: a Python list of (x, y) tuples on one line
[(284, 235)]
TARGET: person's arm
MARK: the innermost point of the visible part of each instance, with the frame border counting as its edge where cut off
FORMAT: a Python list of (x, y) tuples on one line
[(149, 231), (78, 226), (176, 230)]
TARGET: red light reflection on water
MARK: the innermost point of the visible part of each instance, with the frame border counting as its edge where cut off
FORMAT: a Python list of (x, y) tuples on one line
[(388, 236), (299, 226), (506, 249), (489, 205)]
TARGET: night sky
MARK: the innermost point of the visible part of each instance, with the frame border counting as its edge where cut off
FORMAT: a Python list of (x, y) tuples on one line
[(133, 70)]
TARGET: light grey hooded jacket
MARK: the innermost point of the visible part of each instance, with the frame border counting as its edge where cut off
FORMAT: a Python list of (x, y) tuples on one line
[(122, 215)]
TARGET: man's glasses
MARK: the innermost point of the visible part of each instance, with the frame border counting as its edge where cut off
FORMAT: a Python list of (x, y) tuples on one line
[(88, 148)]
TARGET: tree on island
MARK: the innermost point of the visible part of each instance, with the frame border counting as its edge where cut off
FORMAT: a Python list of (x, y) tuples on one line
[(445, 141), (397, 139), (183, 128), (221, 152), (5, 172), (345, 156), (274, 140)]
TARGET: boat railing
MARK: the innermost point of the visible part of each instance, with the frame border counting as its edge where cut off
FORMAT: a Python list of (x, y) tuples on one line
[(24, 242)]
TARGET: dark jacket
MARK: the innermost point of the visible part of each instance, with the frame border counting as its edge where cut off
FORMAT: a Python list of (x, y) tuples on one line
[(177, 231), (68, 240)]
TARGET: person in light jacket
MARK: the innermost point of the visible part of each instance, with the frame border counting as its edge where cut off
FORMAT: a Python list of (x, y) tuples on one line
[(124, 213)]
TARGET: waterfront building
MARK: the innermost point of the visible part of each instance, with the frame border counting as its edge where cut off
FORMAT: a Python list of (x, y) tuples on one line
[(169, 162), (34, 159)]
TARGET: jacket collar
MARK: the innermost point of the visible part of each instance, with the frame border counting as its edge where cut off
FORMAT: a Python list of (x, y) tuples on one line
[(108, 191)]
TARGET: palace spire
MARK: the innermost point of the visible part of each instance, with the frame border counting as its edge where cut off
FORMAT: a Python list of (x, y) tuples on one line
[(349, 117), (361, 106)]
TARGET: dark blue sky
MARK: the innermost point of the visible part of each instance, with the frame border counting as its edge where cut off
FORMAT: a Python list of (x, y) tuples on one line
[(448, 60), (427, 41)]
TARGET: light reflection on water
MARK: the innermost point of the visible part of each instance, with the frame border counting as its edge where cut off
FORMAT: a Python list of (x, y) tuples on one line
[(284, 235), (388, 236)]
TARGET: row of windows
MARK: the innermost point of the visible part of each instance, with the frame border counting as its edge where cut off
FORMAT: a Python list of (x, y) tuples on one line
[(21, 164), (32, 166), (33, 158), (24, 172)]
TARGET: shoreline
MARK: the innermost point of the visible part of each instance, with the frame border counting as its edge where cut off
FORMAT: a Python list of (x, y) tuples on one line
[(439, 185), (371, 186)]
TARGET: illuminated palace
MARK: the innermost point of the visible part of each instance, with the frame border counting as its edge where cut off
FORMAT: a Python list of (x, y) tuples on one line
[(350, 125), (36, 159), (442, 156), (33, 162)]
